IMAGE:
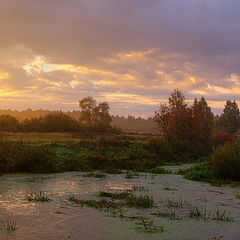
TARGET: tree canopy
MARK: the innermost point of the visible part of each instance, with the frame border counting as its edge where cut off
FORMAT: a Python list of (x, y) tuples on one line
[(230, 119), (93, 114), (180, 123)]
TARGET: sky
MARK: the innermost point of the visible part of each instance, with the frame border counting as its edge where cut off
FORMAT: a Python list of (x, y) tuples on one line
[(129, 53)]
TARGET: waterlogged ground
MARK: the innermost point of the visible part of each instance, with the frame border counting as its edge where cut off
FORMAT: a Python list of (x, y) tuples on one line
[(174, 198)]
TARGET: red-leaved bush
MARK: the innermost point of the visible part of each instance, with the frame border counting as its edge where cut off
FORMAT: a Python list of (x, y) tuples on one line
[(221, 138)]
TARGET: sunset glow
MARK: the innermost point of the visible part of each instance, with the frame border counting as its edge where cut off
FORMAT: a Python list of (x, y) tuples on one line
[(129, 54)]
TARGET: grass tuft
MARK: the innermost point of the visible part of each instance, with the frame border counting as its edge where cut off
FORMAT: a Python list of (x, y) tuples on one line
[(8, 225), (222, 215), (94, 175), (141, 201), (132, 200), (176, 204), (140, 188), (169, 189), (160, 170), (130, 175), (115, 195), (199, 213), (38, 197), (98, 204), (171, 215), (147, 226)]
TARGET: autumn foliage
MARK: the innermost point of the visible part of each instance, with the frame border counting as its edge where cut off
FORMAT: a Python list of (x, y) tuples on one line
[(180, 124)]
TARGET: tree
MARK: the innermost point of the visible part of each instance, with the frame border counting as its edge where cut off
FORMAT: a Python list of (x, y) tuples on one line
[(161, 117), (187, 129), (230, 119), (177, 100), (202, 122), (102, 115), (174, 119), (93, 114), (9, 123), (59, 122), (180, 125), (52, 122), (87, 106)]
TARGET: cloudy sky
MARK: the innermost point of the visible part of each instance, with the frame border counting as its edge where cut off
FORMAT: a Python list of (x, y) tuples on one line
[(130, 53)]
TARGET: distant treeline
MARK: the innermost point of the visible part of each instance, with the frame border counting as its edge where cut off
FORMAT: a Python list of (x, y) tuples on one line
[(175, 121), (126, 124)]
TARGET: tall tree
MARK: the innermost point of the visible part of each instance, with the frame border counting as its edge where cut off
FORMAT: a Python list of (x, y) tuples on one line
[(93, 114), (174, 119), (102, 114), (177, 100), (230, 119), (87, 106), (161, 117), (186, 127), (9, 123), (202, 122)]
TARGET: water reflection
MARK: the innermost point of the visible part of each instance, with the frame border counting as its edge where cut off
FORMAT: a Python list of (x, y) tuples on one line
[(14, 188), (58, 220)]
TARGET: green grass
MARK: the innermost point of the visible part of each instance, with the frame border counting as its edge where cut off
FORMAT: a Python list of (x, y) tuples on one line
[(57, 152), (201, 172), (141, 201), (131, 199), (206, 173), (160, 170)]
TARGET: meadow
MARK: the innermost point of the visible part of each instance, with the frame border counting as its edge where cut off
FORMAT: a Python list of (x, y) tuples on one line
[(56, 152), (113, 153)]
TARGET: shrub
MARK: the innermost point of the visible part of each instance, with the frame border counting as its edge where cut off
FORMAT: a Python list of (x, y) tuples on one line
[(226, 160), (138, 151), (9, 123), (127, 162), (20, 157), (201, 172), (73, 162), (113, 141), (8, 157), (221, 138), (36, 159), (162, 149), (186, 151)]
